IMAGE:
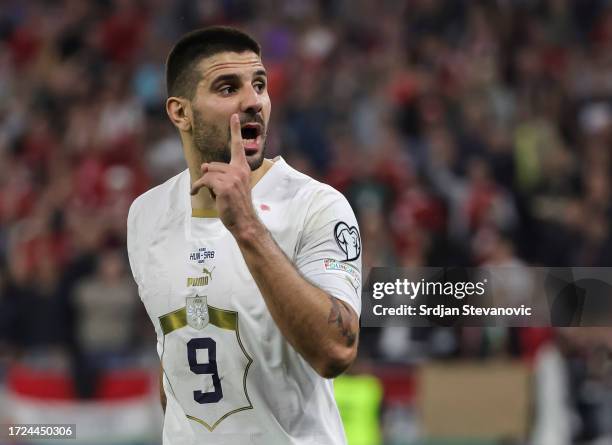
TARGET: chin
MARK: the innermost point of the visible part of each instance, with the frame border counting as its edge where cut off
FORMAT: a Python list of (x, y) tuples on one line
[(255, 161)]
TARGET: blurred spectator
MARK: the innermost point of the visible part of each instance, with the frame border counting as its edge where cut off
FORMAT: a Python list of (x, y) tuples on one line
[(39, 326), (105, 308), (106, 322)]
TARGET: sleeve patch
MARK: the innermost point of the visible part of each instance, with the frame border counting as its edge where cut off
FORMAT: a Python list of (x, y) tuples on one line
[(348, 240), (331, 265)]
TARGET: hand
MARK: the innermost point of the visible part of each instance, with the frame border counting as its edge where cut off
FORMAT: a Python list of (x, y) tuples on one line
[(230, 184)]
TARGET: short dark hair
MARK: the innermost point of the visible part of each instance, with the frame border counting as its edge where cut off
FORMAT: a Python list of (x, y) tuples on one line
[(181, 75)]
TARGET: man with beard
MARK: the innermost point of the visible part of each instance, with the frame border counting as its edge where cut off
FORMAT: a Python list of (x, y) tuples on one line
[(254, 298)]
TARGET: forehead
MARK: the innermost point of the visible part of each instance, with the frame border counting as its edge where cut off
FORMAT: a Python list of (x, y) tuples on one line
[(229, 63)]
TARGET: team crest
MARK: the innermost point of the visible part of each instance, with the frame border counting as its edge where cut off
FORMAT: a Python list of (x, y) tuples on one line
[(197, 312)]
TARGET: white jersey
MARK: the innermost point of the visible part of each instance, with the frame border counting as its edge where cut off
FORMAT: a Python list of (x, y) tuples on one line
[(229, 374)]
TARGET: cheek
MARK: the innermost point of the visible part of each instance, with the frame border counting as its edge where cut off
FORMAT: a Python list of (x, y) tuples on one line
[(267, 107), (209, 117), (215, 110)]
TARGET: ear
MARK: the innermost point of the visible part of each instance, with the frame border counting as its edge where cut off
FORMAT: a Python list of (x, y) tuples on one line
[(179, 112)]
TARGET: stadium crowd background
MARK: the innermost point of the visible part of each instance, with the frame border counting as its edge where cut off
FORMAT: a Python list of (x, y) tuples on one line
[(462, 132)]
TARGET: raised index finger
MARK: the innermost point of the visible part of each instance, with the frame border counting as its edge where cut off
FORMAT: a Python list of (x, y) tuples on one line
[(237, 146)]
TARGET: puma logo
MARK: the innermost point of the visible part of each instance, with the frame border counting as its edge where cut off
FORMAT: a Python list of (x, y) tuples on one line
[(201, 281)]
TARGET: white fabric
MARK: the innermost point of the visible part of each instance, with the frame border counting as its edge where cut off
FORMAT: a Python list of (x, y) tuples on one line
[(291, 404)]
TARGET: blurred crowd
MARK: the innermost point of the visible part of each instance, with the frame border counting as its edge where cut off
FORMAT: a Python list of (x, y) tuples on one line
[(463, 132)]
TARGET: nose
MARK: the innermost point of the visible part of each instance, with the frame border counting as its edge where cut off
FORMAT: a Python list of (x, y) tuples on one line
[(251, 101)]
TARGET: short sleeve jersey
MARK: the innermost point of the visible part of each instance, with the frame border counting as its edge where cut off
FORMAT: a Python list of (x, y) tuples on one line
[(229, 374)]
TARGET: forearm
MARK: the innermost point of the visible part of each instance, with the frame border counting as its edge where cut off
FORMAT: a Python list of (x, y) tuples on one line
[(323, 329)]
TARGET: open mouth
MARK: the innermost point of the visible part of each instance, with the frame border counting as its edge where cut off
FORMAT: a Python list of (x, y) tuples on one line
[(250, 131), (251, 136)]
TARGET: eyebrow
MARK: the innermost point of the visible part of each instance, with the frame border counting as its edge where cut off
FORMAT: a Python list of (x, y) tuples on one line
[(230, 78)]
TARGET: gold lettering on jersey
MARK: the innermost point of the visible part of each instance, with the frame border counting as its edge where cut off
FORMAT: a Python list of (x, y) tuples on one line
[(201, 281)]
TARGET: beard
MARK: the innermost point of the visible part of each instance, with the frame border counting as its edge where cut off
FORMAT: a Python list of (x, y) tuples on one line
[(212, 144)]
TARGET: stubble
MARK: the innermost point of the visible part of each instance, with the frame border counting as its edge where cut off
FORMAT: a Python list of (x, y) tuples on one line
[(212, 145)]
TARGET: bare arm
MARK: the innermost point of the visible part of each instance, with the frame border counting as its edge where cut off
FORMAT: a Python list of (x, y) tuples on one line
[(323, 329)]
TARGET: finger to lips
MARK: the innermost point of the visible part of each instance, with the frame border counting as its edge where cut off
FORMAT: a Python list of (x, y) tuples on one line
[(237, 145)]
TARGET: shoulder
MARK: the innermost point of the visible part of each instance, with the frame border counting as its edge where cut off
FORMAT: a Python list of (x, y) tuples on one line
[(161, 199), (318, 209), (310, 193)]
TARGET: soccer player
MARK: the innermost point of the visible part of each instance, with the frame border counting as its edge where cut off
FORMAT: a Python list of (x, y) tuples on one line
[(249, 270)]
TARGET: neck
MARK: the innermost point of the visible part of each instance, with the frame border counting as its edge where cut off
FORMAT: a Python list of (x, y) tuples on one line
[(203, 200)]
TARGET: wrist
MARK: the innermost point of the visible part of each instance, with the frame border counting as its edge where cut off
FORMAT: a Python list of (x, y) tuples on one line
[(250, 233)]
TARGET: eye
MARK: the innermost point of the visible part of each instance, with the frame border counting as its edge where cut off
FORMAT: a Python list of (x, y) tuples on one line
[(226, 90), (260, 86)]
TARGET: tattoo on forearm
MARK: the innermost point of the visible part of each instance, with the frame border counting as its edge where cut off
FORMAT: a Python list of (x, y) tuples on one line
[(343, 321)]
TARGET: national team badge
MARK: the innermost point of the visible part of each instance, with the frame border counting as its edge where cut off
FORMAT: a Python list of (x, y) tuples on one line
[(197, 312)]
